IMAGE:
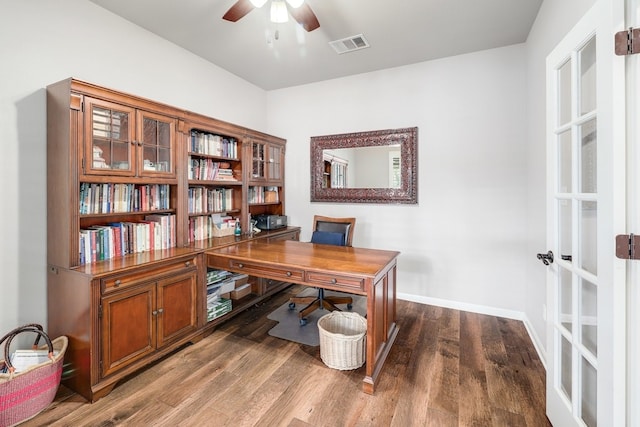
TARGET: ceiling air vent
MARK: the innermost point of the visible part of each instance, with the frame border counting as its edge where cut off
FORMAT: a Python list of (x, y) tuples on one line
[(349, 44)]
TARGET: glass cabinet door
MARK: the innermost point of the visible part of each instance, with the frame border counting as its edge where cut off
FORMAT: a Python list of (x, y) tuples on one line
[(258, 156), (109, 130), (274, 159), (156, 144)]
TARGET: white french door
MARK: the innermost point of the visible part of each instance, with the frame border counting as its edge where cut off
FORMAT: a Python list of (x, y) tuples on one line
[(585, 210)]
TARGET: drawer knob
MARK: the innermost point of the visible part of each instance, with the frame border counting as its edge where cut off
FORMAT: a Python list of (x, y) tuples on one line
[(117, 283), (334, 281), (241, 265), (160, 310), (187, 264), (288, 274), (154, 312)]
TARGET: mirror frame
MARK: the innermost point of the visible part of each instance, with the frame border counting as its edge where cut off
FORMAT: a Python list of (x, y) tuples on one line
[(407, 193)]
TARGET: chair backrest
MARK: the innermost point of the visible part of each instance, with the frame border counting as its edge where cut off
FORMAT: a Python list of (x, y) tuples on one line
[(344, 226)]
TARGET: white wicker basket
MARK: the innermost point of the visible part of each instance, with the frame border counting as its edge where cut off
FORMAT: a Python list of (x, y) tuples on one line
[(342, 340)]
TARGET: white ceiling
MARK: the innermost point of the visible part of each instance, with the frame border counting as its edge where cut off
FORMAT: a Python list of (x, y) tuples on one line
[(400, 32)]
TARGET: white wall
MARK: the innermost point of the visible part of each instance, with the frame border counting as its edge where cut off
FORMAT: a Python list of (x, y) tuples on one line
[(464, 243), (555, 18), (42, 42)]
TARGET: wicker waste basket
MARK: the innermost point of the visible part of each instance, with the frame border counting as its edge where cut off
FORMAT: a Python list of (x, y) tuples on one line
[(342, 340), (25, 393)]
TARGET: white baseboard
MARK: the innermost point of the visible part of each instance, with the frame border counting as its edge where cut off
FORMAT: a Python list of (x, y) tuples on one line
[(482, 309)]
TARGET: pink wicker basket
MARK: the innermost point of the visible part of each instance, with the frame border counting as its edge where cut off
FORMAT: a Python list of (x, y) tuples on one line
[(26, 393)]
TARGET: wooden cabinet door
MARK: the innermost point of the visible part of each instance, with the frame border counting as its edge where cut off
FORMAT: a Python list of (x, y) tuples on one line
[(128, 327), (177, 308)]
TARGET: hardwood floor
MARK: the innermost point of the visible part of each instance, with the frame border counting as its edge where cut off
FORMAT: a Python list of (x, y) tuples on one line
[(447, 368)]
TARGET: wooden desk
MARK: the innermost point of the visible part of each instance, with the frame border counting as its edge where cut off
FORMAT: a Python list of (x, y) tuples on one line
[(368, 272)]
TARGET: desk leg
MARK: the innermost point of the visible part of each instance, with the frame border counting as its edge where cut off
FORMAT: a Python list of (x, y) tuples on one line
[(369, 382), (382, 329)]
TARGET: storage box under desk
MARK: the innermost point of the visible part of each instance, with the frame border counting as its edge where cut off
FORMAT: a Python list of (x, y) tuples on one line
[(241, 291)]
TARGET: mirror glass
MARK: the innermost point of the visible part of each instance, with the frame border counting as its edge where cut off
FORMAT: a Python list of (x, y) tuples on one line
[(366, 167)]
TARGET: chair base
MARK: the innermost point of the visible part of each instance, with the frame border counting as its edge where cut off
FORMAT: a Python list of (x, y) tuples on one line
[(318, 302)]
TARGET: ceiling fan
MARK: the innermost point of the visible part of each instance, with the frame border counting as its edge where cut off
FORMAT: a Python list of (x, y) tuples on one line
[(280, 9)]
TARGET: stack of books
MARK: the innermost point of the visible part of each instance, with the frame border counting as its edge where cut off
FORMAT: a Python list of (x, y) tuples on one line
[(219, 282), (218, 308)]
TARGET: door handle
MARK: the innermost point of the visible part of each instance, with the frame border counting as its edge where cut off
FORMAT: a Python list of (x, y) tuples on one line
[(566, 257), (546, 258)]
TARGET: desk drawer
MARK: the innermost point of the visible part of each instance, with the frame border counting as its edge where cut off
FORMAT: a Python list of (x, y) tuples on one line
[(267, 271), (334, 280), (120, 281)]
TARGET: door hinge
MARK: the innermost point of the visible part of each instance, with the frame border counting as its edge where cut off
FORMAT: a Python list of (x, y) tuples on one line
[(628, 246), (100, 311), (627, 42)]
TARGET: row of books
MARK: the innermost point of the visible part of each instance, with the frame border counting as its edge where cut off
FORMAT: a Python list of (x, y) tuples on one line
[(214, 145), (101, 242), (205, 227), (208, 170), (97, 198), (259, 194), (204, 200)]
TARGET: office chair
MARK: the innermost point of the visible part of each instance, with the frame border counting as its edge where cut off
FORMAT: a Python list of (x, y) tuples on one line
[(328, 231)]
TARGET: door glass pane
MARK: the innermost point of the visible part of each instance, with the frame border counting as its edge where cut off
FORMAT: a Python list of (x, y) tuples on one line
[(565, 316), (274, 163), (588, 157), (156, 140), (589, 390), (565, 367), (110, 136), (258, 160), (564, 224), (589, 316), (564, 93), (564, 162), (588, 236), (588, 77)]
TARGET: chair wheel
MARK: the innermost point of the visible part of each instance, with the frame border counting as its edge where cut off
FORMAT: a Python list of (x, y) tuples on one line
[(292, 306), (349, 306), (303, 321)]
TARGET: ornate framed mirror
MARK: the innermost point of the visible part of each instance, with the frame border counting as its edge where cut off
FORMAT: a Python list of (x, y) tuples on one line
[(365, 167)]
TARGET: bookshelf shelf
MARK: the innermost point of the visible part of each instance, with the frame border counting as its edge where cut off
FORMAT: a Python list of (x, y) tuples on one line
[(119, 214)]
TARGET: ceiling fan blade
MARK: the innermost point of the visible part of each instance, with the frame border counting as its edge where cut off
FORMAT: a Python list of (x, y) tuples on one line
[(238, 10), (305, 17)]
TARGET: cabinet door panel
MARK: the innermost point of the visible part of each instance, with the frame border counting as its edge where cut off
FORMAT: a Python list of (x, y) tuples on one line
[(274, 162), (128, 327), (157, 142), (109, 136), (258, 160), (176, 307)]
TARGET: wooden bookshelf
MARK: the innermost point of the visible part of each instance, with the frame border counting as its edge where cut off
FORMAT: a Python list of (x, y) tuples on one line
[(126, 272)]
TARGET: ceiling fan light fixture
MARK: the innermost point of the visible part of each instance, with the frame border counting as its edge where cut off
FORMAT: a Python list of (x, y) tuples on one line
[(258, 3), (295, 3), (279, 13)]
